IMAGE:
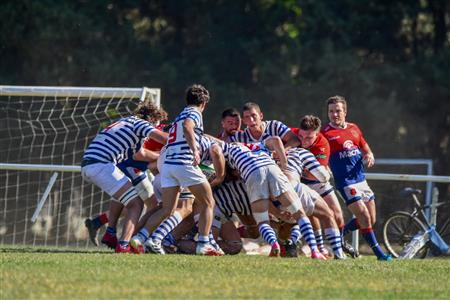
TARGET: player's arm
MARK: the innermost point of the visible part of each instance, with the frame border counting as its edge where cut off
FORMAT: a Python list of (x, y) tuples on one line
[(368, 158), (290, 140), (188, 130), (218, 160), (159, 136), (146, 155), (276, 145)]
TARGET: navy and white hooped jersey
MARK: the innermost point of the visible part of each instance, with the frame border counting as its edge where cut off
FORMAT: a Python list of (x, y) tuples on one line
[(119, 141), (245, 160), (231, 197), (177, 148), (271, 128), (299, 159)]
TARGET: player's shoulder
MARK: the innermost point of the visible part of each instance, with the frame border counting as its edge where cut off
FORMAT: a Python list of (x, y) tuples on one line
[(326, 129)]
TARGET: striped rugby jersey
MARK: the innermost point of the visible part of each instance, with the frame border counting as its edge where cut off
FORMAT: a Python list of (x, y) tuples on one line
[(119, 141), (245, 160), (299, 159), (177, 149), (271, 128), (231, 197)]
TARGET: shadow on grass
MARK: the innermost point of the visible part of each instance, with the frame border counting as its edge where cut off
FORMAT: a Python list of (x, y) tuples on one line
[(39, 249)]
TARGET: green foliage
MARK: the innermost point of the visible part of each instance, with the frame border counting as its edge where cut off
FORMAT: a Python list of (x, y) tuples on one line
[(67, 274), (390, 59)]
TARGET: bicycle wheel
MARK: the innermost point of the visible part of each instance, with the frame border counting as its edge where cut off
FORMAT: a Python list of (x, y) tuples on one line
[(399, 229)]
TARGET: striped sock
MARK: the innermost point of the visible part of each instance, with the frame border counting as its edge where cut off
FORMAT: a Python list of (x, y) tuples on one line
[(143, 234), (307, 233), (169, 240), (333, 236), (370, 238), (352, 225), (166, 227), (295, 234), (267, 233), (203, 238), (319, 240)]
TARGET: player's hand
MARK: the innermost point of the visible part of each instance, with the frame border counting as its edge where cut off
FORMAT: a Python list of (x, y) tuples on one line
[(369, 159), (196, 160)]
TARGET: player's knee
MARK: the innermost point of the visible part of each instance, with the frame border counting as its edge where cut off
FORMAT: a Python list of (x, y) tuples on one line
[(129, 197)]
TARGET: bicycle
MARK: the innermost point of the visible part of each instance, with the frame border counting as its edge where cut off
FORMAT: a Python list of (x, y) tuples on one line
[(402, 226)]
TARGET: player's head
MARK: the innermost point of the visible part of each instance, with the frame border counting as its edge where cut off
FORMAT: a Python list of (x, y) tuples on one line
[(197, 95), (308, 130), (148, 111), (337, 110), (231, 120), (252, 115)]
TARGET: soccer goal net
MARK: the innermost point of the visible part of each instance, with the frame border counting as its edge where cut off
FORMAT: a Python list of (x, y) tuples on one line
[(43, 134)]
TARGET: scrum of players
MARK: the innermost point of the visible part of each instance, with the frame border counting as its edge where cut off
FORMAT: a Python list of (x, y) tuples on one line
[(180, 190)]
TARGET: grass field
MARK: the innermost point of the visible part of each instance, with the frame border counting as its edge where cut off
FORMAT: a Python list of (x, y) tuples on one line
[(49, 273)]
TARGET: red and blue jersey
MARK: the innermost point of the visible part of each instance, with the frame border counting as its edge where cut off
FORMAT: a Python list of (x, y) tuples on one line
[(346, 157)]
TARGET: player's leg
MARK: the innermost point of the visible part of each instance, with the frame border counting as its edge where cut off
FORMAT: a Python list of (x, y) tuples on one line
[(205, 203), (332, 233), (154, 243), (260, 210), (231, 242), (292, 204), (249, 228), (315, 222)]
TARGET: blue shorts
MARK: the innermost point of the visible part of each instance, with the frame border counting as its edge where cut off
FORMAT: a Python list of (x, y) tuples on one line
[(134, 169)]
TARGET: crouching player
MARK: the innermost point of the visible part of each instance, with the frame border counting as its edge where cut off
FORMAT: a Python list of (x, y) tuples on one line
[(111, 146), (264, 180)]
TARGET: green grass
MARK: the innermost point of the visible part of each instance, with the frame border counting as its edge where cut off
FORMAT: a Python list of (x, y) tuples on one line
[(46, 273)]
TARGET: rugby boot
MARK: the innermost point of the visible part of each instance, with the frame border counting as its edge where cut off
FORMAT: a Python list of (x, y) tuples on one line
[(92, 231), (291, 248), (123, 249), (136, 245), (109, 240), (386, 257), (154, 247), (275, 251), (317, 255), (348, 249), (206, 249)]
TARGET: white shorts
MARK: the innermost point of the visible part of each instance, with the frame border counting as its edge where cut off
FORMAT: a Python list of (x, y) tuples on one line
[(181, 175), (184, 192), (266, 182), (357, 191), (322, 188), (308, 198), (106, 176)]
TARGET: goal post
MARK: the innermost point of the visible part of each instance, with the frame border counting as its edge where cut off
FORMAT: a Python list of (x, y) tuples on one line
[(43, 130)]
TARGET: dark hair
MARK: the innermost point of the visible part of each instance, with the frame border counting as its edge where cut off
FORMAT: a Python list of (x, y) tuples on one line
[(337, 99), (230, 112), (251, 105), (148, 111), (197, 94), (309, 122)]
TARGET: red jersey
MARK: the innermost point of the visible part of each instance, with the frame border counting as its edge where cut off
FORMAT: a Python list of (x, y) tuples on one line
[(346, 158), (151, 144), (320, 148)]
